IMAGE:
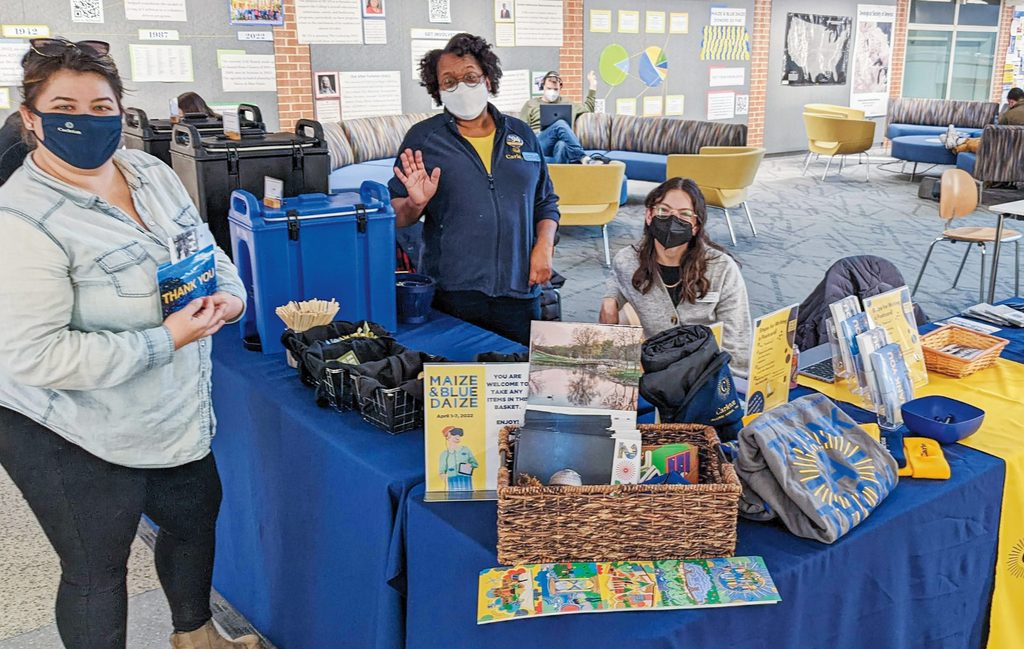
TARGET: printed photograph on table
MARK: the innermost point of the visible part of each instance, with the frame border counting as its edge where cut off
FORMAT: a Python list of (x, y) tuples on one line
[(373, 8), (327, 85), (584, 368), (504, 11), (817, 50), (256, 12)]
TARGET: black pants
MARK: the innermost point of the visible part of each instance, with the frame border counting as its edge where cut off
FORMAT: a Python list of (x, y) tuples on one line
[(507, 316), (90, 510)]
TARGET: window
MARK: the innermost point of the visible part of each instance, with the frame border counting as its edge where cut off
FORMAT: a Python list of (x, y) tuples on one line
[(951, 49)]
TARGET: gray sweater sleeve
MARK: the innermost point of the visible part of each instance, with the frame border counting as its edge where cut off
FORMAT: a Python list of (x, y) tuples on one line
[(612, 290), (733, 311)]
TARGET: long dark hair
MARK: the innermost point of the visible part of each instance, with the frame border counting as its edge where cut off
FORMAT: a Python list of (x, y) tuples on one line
[(460, 45), (694, 264), (193, 103)]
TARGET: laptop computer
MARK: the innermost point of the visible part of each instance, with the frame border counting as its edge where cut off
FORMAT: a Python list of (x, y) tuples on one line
[(551, 113)]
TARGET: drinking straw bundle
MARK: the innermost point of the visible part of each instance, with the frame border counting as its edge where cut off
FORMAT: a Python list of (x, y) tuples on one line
[(302, 316)]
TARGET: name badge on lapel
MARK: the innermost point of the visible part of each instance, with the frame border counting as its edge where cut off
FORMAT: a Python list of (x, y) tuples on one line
[(531, 156), (711, 297)]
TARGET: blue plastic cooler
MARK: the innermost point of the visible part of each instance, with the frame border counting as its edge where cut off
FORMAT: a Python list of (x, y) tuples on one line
[(339, 246)]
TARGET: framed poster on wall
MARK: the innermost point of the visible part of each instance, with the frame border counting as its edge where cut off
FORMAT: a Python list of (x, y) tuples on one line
[(872, 55), (817, 50)]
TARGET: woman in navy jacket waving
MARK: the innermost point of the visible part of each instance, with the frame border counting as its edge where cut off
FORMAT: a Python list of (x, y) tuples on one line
[(478, 179)]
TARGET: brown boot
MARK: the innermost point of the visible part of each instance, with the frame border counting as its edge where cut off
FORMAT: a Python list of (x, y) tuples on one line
[(207, 637)]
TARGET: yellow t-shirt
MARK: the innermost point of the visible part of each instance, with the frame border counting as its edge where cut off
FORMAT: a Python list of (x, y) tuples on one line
[(484, 148)]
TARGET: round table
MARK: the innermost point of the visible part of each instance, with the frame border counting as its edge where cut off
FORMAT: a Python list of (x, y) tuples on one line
[(922, 148)]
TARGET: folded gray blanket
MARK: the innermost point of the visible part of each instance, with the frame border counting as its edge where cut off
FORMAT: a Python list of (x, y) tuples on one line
[(809, 464)]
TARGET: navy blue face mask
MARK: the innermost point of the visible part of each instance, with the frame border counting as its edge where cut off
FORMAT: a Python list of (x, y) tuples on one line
[(82, 141)]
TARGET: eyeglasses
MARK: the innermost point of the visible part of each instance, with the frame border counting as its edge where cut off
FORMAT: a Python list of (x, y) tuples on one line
[(662, 212), (52, 48), (471, 79)]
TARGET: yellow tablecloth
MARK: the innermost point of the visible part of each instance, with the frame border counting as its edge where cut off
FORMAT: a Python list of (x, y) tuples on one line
[(999, 391)]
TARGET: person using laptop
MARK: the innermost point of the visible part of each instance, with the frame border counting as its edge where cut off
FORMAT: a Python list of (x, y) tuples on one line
[(558, 142), (675, 275)]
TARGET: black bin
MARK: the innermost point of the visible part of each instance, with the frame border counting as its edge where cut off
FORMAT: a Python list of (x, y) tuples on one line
[(212, 167), (154, 135)]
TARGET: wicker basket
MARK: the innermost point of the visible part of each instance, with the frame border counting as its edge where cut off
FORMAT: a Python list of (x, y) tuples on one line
[(951, 365), (639, 522)]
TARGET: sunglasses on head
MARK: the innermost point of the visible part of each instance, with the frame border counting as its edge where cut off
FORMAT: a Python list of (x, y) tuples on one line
[(52, 48)]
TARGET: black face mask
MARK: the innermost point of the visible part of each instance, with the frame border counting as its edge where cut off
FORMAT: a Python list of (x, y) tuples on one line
[(671, 232)]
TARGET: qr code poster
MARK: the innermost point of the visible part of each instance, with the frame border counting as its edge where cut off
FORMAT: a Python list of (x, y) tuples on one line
[(742, 103), (87, 11), (440, 11)]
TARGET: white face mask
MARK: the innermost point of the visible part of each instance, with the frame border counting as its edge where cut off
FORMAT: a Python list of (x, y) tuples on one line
[(465, 102), (550, 95)]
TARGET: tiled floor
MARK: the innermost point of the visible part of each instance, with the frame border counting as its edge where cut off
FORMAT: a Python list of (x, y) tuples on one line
[(804, 225)]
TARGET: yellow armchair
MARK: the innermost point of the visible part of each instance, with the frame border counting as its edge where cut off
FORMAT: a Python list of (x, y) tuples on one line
[(838, 136), (588, 195), (724, 173), (833, 110)]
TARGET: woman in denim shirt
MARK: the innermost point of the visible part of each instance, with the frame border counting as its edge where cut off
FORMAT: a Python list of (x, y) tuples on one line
[(105, 410)]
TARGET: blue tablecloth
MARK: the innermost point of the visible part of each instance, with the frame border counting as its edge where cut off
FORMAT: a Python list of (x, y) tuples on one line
[(917, 574), (307, 537)]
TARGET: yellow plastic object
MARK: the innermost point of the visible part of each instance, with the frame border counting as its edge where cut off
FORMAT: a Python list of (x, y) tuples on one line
[(873, 431), (925, 459), (749, 418), (838, 136), (833, 110), (723, 172), (587, 194)]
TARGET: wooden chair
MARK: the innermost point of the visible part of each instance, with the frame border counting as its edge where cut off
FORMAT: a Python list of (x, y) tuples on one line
[(724, 174), (958, 197), (588, 195)]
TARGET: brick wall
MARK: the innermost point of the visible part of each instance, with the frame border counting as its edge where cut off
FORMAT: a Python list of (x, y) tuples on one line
[(758, 71), (294, 73), (1002, 43), (570, 57), (899, 48)]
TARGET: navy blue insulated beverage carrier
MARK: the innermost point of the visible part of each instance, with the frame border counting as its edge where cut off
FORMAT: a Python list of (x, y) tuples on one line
[(154, 135), (212, 167)]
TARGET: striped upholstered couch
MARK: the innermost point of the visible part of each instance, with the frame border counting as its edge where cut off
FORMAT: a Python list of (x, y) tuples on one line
[(933, 116), (644, 143), (365, 149), (1000, 158)]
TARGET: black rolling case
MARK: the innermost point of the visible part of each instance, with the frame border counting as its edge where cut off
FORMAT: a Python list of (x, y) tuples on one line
[(212, 167), (154, 135)]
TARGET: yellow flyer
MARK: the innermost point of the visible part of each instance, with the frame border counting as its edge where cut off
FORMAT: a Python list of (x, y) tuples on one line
[(465, 406), (771, 360), (894, 312), (716, 330)]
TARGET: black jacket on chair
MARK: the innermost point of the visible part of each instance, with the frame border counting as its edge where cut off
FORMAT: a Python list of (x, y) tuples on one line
[(863, 276)]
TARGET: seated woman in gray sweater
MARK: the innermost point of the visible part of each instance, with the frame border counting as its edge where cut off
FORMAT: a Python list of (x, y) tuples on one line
[(677, 275)]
